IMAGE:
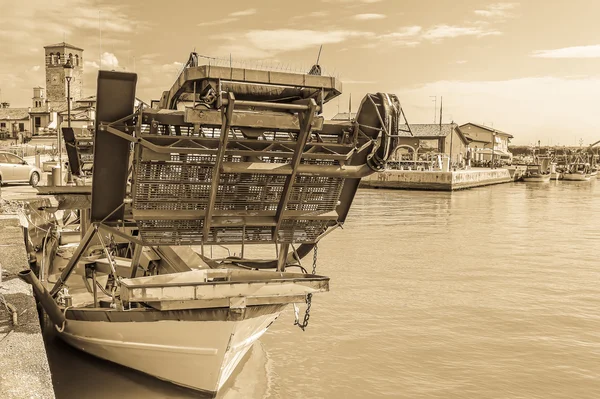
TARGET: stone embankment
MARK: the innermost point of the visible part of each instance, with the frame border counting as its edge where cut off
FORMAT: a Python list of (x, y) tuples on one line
[(24, 369)]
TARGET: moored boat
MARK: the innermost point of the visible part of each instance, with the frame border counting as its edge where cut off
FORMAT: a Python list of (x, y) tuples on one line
[(231, 158), (535, 174), (577, 172)]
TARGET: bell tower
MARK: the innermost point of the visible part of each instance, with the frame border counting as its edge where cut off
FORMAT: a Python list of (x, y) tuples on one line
[(57, 56)]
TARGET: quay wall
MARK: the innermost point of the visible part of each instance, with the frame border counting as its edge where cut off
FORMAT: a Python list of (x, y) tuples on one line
[(436, 180), (24, 369)]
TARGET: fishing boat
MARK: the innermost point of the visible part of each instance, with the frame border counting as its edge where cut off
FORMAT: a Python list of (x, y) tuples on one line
[(535, 174), (577, 172), (229, 158)]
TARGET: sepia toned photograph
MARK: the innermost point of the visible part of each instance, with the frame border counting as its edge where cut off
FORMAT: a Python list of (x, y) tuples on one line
[(295, 200)]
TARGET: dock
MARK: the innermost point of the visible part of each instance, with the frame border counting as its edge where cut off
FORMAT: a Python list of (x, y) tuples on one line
[(438, 180), (24, 369)]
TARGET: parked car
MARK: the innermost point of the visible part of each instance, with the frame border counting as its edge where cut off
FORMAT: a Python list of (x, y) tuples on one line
[(14, 169)]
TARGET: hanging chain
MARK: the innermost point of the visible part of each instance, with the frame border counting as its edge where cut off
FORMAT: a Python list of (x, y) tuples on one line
[(304, 323)]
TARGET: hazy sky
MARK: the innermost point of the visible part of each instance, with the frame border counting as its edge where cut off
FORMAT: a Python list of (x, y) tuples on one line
[(530, 68)]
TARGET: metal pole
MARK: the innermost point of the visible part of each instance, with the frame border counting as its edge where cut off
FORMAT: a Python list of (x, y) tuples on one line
[(493, 147), (68, 102)]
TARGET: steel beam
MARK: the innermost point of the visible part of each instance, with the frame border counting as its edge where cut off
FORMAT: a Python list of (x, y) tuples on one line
[(306, 118), (227, 112)]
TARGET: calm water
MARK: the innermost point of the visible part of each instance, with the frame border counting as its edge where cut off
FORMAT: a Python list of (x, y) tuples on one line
[(487, 293)]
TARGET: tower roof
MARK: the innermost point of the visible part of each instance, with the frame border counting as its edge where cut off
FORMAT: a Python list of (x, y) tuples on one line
[(63, 44)]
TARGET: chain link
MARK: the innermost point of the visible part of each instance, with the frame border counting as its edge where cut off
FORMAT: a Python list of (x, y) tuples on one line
[(304, 323)]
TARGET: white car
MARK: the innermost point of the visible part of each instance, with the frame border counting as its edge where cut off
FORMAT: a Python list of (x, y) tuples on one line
[(14, 169)]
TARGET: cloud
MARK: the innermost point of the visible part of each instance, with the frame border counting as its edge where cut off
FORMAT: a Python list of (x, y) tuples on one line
[(318, 14), (451, 31), (174, 67), (266, 43), (406, 36), (461, 62), (35, 68), (592, 51), (91, 64), (243, 13), (365, 17), (497, 10), (218, 22), (109, 61), (231, 17), (352, 1)]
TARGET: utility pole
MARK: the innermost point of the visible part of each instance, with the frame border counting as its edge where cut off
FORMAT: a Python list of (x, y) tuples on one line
[(434, 108)]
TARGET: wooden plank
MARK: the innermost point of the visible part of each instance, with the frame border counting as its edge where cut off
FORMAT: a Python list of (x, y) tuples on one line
[(224, 303), (267, 121)]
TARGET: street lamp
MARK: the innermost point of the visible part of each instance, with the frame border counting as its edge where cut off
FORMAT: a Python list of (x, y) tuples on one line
[(68, 69)]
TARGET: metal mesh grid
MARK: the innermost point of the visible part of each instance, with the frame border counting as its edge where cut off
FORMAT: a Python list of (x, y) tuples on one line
[(315, 193), (251, 234), (250, 192), (171, 186), (171, 232), (301, 231)]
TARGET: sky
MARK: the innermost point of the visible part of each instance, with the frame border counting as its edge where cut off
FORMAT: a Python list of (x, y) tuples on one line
[(529, 68)]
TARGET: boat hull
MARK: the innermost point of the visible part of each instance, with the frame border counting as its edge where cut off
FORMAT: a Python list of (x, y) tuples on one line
[(197, 354), (537, 178), (576, 177)]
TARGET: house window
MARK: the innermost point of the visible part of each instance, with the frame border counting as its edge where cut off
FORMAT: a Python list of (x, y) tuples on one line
[(76, 59), (71, 58), (2, 125), (37, 121), (21, 127), (51, 58)]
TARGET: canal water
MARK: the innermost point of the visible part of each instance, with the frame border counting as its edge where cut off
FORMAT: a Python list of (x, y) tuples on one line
[(486, 293)]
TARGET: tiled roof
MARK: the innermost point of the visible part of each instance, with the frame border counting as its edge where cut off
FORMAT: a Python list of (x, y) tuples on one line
[(76, 108), (15, 114), (86, 99), (60, 108), (344, 116), (63, 44), (488, 128), (427, 130)]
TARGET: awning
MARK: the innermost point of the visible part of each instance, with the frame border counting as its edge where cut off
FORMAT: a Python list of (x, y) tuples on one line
[(498, 153)]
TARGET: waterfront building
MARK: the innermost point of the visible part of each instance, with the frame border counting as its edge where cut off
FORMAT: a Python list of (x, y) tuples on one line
[(14, 122), (485, 140), (445, 138)]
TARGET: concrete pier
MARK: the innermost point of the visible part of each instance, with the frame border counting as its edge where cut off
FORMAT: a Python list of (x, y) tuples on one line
[(436, 180), (24, 370)]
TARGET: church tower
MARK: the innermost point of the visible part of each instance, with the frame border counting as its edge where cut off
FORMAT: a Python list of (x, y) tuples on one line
[(56, 84), (39, 99)]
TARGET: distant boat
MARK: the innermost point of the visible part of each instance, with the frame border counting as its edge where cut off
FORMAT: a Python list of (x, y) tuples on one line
[(534, 173), (578, 172)]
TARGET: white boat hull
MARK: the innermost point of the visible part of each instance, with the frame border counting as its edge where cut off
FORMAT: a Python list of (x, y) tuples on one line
[(200, 354), (576, 177)]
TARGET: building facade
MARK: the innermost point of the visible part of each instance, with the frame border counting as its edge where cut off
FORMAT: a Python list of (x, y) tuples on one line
[(56, 56), (485, 140), (446, 139)]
